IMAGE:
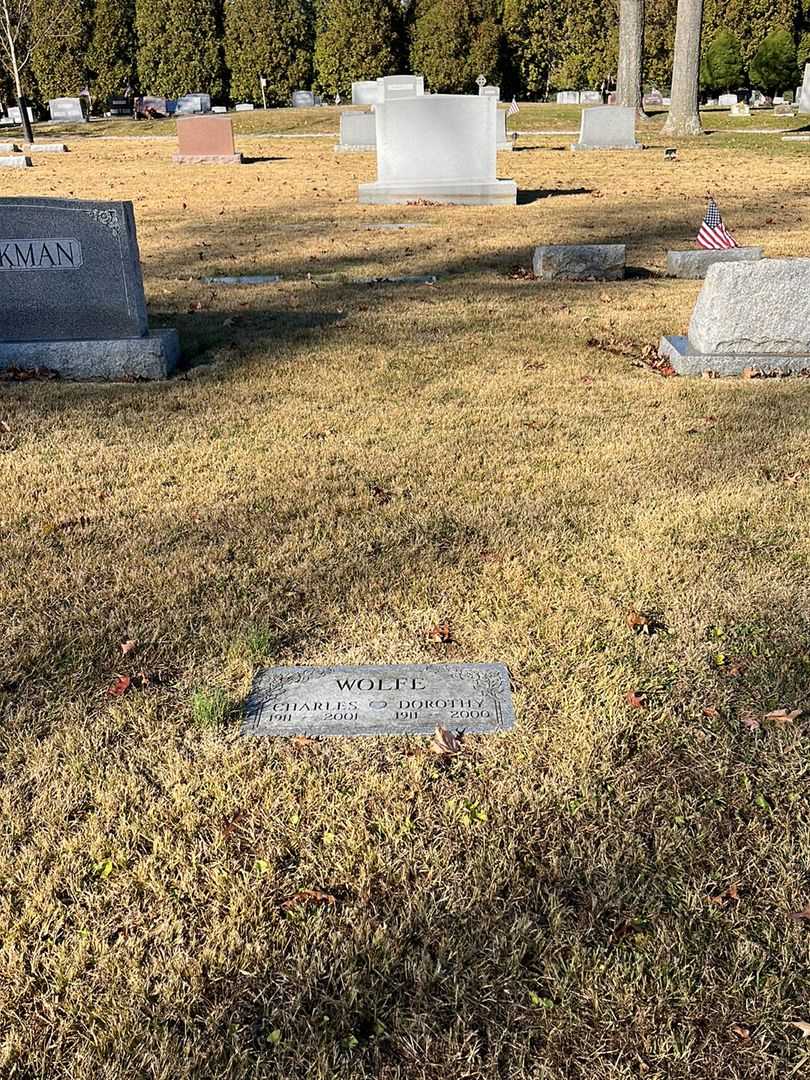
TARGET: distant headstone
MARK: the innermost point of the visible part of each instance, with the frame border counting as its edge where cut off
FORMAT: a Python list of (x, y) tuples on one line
[(9, 148), (804, 93), (608, 127), (67, 110), (72, 289), (779, 101), (395, 699), (245, 106), (437, 148), (364, 92), (15, 162), (358, 132), (45, 148), (694, 263), (579, 262), (748, 315), (190, 104), (303, 99), (590, 97), (666, 102), (120, 107), (568, 97), (219, 110), (727, 100), (758, 100), (652, 100), (740, 109), (146, 105), (490, 91), (15, 115), (399, 87), (503, 140), (783, 110), (205, 140)]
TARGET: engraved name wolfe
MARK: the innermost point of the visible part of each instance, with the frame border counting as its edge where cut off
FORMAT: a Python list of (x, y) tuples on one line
[(40, 255)]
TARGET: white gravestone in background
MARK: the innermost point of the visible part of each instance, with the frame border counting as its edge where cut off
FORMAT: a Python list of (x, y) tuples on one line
[(503, 142), (193, 103), (66, 110), (727, 100), (590, 97), (358, 131), (437, 148), (804, 97), (15, 115), (568, 97), (303, 99), (396, 87), (490, 91), (364, 92), (608, 127)]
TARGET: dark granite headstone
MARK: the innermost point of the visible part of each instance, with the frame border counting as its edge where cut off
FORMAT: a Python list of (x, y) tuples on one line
[(391, 699), (70, 273)]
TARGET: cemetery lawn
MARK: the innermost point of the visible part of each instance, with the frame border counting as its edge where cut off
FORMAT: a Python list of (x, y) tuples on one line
[(612, 890)]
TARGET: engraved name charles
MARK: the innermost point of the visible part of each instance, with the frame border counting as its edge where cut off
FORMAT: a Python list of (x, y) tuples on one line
[(40, 255)]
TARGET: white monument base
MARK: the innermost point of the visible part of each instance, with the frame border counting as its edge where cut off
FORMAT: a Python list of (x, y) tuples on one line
[(453, 192)]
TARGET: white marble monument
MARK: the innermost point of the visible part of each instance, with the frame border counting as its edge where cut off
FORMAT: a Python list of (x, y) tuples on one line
[(364, 92), (804, 97), (437, 148), (358, 132)]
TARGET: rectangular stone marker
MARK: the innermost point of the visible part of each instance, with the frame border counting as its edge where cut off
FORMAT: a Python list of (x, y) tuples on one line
[(608, 127), (358, 132), (244, 106), (303, 99), (590, 97), (120, 107), (397, 87), (66, 111), (490, 91), (73, 300), (390, 699), (693, 264), (15, 163), (158, 105), (568, 97), (438, 148), (727, 100), (193, 103), (579, 262), (503, 140), (748, 315), (740, 109), (15, 115), (365, 92), (804, 96), (205, 140)]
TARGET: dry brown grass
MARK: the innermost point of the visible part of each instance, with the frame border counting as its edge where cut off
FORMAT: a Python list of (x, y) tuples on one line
[(540, 908)]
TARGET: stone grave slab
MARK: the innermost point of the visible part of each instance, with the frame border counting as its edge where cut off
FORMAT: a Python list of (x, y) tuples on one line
[(590, 97), (193, 103), (568, 97), (740, 109), (205, 140), (693, 264), (9, 148), (45, 148), (579, 262), (804, 95), (15, 162), (244, 106), (72, 289), (397, 87), (437, 148), (608, 127), (504, 140), (67, 110), (364, 92), (303, 99), (15, 115), (391, 699), (486, 90), (748, 315), (358, 132), (727, 100)]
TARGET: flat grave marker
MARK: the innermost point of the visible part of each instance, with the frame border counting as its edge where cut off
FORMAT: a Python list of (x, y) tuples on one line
[(389, 699), (205, 140)]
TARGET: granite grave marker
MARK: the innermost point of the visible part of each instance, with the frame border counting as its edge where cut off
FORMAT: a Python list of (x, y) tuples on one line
[(205, 140), (608, 127), (67, 110)]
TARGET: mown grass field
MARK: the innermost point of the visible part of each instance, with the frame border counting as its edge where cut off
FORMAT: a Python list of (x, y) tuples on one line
[(604, 893)]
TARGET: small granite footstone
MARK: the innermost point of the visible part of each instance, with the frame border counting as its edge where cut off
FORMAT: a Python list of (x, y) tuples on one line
[(45, 148), (392, 699), (244, 279), (576, 262), (694, 264), (748, 315), (72, 291), (15, 162), (9, 148)]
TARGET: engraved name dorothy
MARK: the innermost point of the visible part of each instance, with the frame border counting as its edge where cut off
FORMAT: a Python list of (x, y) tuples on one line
[(40, 255), (353, 706)]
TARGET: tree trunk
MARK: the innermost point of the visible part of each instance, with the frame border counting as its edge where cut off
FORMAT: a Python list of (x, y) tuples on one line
[(10, 36), (684, 117), (631, 48), (28, 131)]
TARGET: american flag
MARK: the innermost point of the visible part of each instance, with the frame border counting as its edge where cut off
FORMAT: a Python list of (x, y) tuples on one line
[(337, 98), (513, 109), (713, 233)]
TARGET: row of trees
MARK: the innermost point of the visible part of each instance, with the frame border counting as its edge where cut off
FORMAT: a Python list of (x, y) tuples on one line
[(531, 47)]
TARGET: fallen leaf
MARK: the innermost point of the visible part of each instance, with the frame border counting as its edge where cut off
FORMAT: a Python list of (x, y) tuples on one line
[(302, 742), (802, 1025), (128, 647), (442, 633), (742, 1031), (644, 622), (801, 916), (636, 699), (445, 744), (308, 898), (120, 686), (782, 717), (750, 721), (729, 896), (711, 712)]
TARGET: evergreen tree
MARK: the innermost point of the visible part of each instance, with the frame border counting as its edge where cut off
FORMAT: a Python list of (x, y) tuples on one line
[(533, 32), (111, 56), (270, 38), (356, 39), (59, 31), (178, 47), (455, 41), (722, 65), (659, 42), (774, 67)]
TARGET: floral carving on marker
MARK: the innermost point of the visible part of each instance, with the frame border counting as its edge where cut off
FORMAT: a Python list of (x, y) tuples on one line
[(108, 218)]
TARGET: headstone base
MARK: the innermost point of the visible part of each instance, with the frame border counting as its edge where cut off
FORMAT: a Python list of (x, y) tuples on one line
[(45, 148), (341, 149), (152, 357), (585, 146), (207, 159), (578, 262), (693, 264), (686, 360), (501, 147), (9, 148), (15, 162), (454, 193)]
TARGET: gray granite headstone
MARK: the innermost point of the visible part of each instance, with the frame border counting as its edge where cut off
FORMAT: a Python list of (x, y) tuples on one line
[(693, 263), (303, 99), (190, 104), (804, 95), (72, 291), (590, 97), (358, 131), (66, 110), (608, 127), (391, 699), (579, 262), (568, 97), (748, 315)]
